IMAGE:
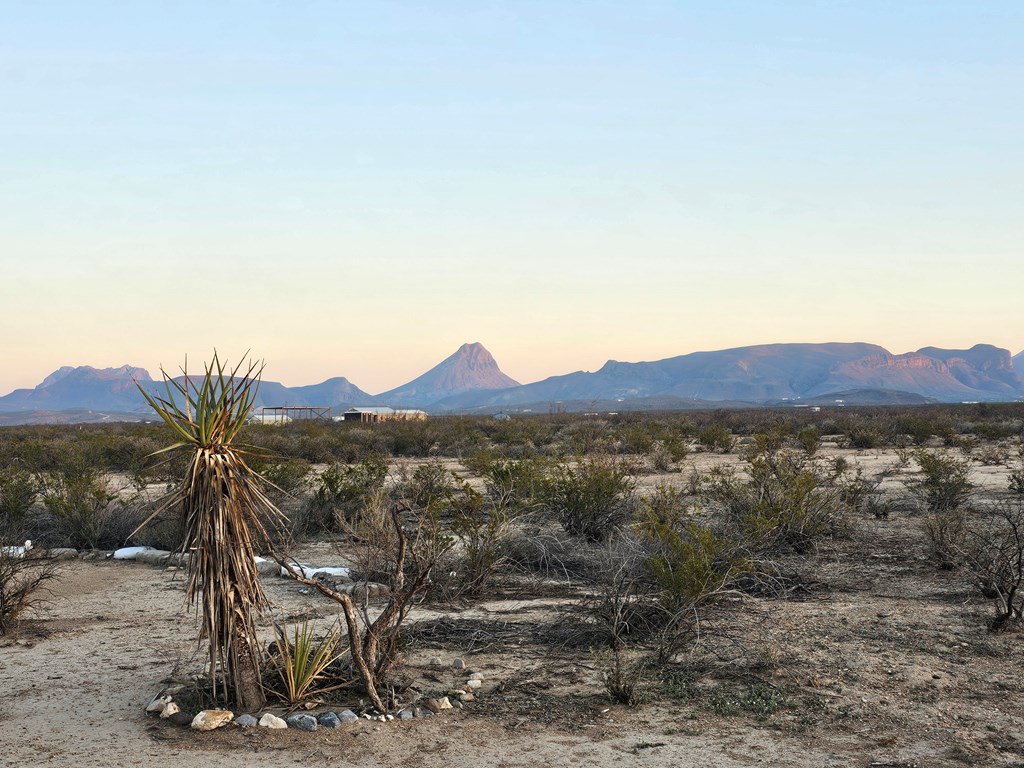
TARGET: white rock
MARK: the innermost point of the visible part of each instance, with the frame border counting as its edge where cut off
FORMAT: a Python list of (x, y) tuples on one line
[(170, 709), (129, 553), (209, 719), (477, 676), (158, 704), (272, 721), (18, 552), (444, 703), (474, 684)]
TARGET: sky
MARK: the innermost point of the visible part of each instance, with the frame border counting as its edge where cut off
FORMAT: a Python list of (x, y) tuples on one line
[(356, 189)]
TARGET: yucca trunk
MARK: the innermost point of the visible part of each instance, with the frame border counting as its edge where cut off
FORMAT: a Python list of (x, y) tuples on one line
[(226, 515)]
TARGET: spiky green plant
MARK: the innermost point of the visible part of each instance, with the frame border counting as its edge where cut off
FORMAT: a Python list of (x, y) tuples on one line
[(226, 515), (301, 664)]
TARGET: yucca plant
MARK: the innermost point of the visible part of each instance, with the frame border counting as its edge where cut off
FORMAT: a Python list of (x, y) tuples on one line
[(301, 664), (226, 514)]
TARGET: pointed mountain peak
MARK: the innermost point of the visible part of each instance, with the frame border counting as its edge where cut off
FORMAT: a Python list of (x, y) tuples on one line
[(471, 367)]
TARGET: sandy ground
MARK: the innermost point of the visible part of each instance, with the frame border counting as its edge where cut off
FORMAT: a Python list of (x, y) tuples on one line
[(886, 663)]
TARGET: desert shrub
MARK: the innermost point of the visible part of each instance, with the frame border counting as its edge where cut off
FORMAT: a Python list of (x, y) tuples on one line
[(918, 428), (406, 543), (666, 503), (339, 491), (23, 579), (809, 439), (1016, 481), (781, 506), (482, 534), (82, 502), (716, 437), (864, 436), (944, 490), (591, 497), (993, 455), (514, 484), (945, 484), (18, 490), (993, 552)]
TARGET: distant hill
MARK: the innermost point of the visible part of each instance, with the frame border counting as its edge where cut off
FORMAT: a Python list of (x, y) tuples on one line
[(776, 372), (470, 369), (470, 381), (84, 387)]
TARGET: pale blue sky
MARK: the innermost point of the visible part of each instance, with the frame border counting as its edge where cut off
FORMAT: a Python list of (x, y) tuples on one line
[(358, 188)]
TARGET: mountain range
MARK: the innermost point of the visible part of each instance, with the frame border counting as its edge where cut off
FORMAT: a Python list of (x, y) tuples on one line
[(471, 381)]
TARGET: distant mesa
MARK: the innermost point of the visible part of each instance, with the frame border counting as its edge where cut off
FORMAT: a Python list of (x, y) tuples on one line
[(470, 381)]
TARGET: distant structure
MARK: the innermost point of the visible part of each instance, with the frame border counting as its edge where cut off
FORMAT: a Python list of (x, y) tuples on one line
[(286, 414), (374, 413)]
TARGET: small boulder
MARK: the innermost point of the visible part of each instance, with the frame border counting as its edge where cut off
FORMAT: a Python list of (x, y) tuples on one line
[(474, 684), (458, 664), (181, 719), (477, 676), (64, 553), (272, 721), (246, 721), (157, 705), (328, 720), (153, 557), (169, 709), (302, 722), (405, 714), (267, 567), (347, 716), (129, 553), (211, 719), (436, 705)]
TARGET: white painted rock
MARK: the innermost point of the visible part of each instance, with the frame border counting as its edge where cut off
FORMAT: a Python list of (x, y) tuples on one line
[(272, 721), (129, 553), (209, 719)]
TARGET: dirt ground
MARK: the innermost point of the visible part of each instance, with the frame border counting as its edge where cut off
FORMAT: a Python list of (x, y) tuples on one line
[(883, 661)]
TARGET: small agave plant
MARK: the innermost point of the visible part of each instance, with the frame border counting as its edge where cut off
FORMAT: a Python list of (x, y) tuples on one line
[(226, 516)]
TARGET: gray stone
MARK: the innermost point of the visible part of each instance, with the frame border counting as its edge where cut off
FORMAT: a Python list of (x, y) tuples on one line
[(182, 719), (267, 567), (459, 664), (477, 676), (347, 716), (328, 720), (405, 714), (64, 553), (302, 722), (246, 721), (153, 557), (272, 721)]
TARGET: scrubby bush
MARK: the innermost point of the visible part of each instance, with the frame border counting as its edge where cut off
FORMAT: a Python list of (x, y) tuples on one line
[(716, 437), (993, 552), (590, 497), (82, 502), (23, 579), (341, 489), (944, 489), (810, 439), (18, 490), (781, 506)]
